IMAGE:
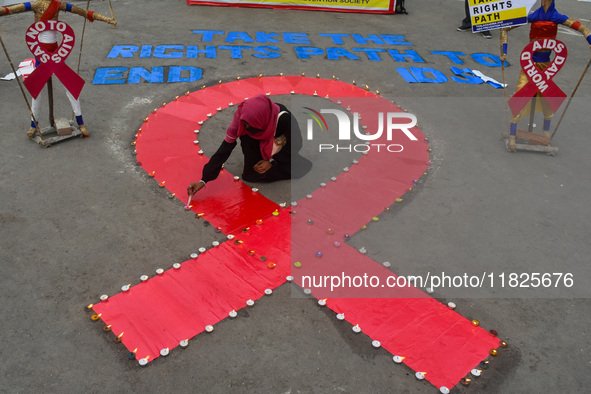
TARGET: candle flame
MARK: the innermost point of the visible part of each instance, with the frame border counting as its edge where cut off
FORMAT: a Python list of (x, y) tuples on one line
[(120, 335), (134, 351), (200, 214), (162, 183), (147, 357), (89, 306), (152, 173)]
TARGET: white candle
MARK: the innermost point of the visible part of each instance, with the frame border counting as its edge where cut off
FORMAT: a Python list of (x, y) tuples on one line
[(475, 372), (334, 178), (164, 352), (202, 250), (194, 255), (144, 278), (159, 271), (323, 184), (254, 189), (419, 375), (307, 291), (236, 178), (215, 244), (176, 266), (386, 264), (250, 302), (143, 362), (356, 329), (376, 344), (233, 314), (308, 196), (341, 316), (451, 305), (321, 302), (209, 328), (397, 359), (125, 288), (268, 291), (444, 390), (184, 343), (104, 298), (289, 278)]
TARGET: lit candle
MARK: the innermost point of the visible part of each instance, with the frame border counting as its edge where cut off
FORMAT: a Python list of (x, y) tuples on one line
[(254, 189), (200, 122), (251, 252), (259, 221), (268, 291), (375, 218), (289, 278), (233, 314), (503, 344), (202, 250), (164, 352), (397, 359), (126, 287), (341, 316), (451, 305), (355, 161), (143, 362), (195, 142), (250, 302), (323, 184), (131, 355), (483, 364), (159, 271), (194, 255), (176, 266), (318, 254), (336, 244), (107, 328), (420, 376), (161, 184), (118, 338), (334, 178), (310, 221), (292, 92), (322, 302), (200, 152), (144, 278), (196, 131), (376, 344), (307, 291), (493, 352), (236, 178), (356, 329), (230, 236), (476, 372), (346, 169), (294, 204), (215, 244), (475, 323), (308, 196), (95, 317), (104, 298), (271, 265), (465, 381), (209, 328), (297, 264), (275, 213), (444, 390), (184, 343)]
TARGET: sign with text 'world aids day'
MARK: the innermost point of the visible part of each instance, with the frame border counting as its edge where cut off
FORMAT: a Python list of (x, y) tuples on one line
[(496, 14)]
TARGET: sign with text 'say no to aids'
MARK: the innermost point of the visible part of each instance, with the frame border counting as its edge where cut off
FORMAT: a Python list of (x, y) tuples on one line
[(368, 6), (496, 14)]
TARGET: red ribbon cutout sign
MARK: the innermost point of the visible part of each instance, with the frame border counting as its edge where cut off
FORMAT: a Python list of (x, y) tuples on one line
[(540, 81), (52, 62)]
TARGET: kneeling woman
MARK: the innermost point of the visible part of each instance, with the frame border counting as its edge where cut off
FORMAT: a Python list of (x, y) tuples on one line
[(267, 140)]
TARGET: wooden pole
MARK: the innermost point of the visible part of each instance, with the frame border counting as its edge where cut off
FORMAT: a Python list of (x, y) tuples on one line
[(570, 98), (22, 90)]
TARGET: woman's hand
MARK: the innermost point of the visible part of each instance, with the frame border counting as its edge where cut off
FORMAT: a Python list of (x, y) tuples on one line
[(195, 187), (262, 166)]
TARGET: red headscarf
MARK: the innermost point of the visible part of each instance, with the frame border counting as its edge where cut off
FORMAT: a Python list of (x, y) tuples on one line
[(261, 113)]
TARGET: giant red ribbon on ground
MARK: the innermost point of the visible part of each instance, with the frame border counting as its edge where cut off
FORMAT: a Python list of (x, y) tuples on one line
[(540, 81), (52, 62), (180, 302)]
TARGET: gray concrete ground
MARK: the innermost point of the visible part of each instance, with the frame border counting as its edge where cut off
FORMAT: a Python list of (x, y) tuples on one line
[(80, 219)]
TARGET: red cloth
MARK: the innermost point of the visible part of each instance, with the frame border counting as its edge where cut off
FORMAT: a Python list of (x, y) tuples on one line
[(261, 113)]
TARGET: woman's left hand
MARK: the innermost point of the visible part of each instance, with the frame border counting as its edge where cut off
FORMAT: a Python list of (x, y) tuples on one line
[(262, 166)]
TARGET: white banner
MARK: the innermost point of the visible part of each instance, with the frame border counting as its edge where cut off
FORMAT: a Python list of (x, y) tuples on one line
[(496, 14)]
